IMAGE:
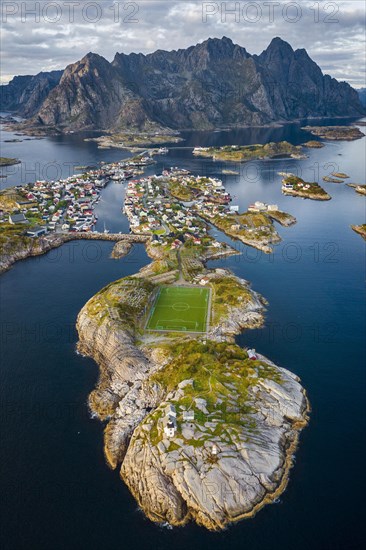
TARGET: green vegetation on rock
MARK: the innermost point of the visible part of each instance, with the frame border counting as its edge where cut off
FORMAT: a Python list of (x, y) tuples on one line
[(236, 153), (212, 380), (227, 293), (302, 188), (6, 161), (123, 301)]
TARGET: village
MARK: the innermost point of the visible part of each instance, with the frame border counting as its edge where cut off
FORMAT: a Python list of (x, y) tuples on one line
[(177, 207), (153, 207), (178, 204), (65, 205)]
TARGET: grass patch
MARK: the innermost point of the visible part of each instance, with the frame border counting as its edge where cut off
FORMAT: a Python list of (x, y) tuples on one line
[(180, 309), (228, 292), (222, 374)]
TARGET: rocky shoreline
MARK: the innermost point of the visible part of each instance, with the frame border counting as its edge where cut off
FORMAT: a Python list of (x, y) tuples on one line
[(360, 229), (306, 195), (30, 247), (283, 218), (264, 245), (135, 141), (360, 189), (255, 427), (182, 484), (5, 161), (245, 153), (297, 187)]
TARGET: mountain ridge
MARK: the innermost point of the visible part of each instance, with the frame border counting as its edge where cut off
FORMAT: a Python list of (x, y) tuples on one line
[(214, 84)]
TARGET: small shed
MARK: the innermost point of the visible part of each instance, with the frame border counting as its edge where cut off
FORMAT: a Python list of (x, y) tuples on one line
[(188, 416)]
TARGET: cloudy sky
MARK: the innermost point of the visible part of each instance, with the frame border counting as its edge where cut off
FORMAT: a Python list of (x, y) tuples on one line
[(48, 35)]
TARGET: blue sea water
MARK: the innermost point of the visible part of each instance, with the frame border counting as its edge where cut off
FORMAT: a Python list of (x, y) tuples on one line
[(57, 491)]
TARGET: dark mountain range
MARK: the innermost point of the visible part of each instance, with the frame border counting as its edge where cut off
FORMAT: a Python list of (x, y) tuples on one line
[(215, 84), (25, 94)]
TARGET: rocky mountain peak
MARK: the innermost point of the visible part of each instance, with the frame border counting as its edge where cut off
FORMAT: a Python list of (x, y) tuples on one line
[(277, 51), (213, 84), (219, 48)]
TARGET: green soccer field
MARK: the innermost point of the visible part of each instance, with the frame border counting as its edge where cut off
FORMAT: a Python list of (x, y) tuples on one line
[(180, 309)]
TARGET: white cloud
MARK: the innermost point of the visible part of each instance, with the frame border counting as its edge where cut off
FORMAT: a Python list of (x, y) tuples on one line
[(333, 35)]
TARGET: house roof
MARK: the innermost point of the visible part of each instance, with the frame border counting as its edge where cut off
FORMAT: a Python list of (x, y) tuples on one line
[(170, 409), (18, 218), (36, 229), (169, 422)]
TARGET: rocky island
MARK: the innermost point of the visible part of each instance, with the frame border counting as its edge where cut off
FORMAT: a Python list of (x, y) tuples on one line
[(134, 141), (245, 153), (313, 144), (360, 189), (336, 177), (296, 186), (200, 428), (340, 133), (360, 229), (5, 161)]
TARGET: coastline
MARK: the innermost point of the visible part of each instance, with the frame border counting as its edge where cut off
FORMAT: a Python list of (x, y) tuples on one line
[(360, 229), (305, 195), (6, 161), (39, 246), (263, 244), (127, 397), (45, 131)]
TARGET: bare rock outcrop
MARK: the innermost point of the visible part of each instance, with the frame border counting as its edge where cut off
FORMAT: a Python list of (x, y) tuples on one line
[(226, 469)]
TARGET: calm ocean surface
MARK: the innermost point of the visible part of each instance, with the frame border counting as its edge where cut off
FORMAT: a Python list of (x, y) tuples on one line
[(57, 492)]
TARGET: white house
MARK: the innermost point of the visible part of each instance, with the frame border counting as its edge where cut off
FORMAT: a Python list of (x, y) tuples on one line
[(252, 354), (169, 427), (170, 420)]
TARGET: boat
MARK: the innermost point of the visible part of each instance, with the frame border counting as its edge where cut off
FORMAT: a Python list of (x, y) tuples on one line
[(106, 231)]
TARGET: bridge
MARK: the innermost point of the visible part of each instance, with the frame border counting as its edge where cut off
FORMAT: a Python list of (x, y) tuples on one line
[(115, 237)]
